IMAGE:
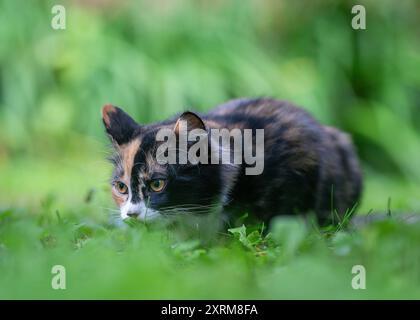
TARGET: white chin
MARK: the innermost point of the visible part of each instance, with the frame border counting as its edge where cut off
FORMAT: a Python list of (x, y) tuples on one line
[(146, 214), (143, 217)]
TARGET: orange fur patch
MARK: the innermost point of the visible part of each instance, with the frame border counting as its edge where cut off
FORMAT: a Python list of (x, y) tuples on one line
[(128, 153), (106, 110), (119, 200)]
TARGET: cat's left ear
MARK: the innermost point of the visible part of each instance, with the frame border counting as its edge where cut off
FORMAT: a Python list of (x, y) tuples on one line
[(118, 124), (190, 119)]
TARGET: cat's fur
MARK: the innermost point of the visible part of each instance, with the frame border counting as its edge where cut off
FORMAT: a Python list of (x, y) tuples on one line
[(307, 167)]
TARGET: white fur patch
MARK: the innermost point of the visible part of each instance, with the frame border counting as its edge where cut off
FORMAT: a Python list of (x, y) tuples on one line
[(144, 213)]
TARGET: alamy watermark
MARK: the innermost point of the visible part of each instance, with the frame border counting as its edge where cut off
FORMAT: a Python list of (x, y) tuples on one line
[(218, 146), (359, 20), (58, 21), (58, 281), (359, 280)]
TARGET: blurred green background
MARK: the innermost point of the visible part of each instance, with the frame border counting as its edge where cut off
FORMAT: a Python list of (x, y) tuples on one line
[(155, 58)]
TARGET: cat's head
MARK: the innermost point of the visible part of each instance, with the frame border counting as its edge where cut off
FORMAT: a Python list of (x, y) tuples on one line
[(145, 189)]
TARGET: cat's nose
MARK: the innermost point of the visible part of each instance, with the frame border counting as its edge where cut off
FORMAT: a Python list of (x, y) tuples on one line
[(133, 214)]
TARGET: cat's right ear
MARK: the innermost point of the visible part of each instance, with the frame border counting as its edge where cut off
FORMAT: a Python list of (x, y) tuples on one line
[(118, 124)]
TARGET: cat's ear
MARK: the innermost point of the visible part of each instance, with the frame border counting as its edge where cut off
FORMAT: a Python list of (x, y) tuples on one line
[(118, 124), (190, 119)]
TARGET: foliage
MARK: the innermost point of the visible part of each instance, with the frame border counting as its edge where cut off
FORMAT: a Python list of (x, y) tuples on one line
[(156, 58), (291, 261)]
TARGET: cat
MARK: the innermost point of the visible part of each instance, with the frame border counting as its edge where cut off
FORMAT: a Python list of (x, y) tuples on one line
[(307, 167)]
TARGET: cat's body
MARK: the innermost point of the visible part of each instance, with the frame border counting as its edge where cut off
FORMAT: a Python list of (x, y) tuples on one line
[(307, 167)]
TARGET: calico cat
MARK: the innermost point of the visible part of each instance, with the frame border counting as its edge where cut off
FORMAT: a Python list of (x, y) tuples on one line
[(307, 167)]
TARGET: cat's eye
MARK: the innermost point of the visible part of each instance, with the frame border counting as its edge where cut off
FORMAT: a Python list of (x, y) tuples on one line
[(121, 187), (157, 185)]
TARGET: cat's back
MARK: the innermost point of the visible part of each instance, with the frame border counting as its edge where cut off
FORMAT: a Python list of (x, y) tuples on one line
[(303, 160), (261, 113), (285, 125)]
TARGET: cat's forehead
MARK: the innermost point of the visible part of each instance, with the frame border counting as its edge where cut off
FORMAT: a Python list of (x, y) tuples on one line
[(138, 156)]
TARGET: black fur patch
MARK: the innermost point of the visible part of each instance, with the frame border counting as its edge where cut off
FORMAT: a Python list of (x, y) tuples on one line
[(119, 125), (307, 167)]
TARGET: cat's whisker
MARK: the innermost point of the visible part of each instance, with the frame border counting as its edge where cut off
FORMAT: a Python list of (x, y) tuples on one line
[(186, 211), (190, 206), (194, 210)]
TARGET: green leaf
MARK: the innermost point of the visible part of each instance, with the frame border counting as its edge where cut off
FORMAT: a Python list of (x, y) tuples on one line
[(289, 232), (240, 234)]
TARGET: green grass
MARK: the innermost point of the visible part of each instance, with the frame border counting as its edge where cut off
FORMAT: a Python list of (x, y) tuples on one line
[(66, 218), (291, 260), (63, 215), (155, 60)]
